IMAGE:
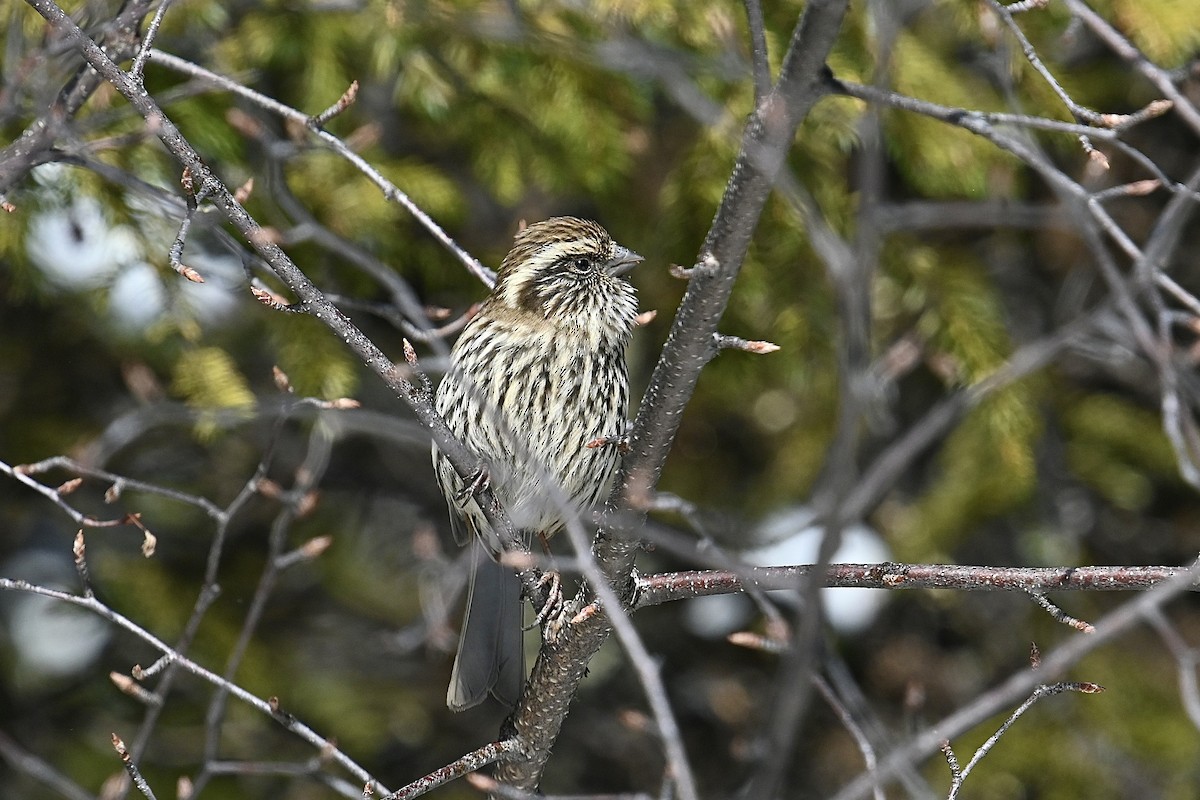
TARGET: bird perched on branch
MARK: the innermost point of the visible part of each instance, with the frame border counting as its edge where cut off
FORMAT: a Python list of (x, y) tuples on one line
[(536, 379)]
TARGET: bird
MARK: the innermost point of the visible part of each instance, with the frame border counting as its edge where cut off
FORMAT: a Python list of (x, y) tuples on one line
[(538, 388)]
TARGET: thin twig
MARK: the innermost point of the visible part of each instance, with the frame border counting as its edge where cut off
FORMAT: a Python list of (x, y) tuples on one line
[(928, 741), (1058, 614), (390, 190), (488, 754), (759, 57)]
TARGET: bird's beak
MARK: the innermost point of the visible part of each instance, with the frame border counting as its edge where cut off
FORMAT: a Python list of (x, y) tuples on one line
[(623, 261)]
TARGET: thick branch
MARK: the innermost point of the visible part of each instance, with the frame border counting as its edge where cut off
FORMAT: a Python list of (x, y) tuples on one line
[(765, 142)]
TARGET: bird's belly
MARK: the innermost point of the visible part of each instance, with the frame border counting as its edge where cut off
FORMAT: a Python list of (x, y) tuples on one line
[(552, 410)]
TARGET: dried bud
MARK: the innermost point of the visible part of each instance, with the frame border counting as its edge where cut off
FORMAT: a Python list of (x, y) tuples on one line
[(244, 191), (69, 486), (1098, 159), (634, 720), (190, 273), (282, 382), (269, 299), (1140, 188), (307, 503), (123, 682)]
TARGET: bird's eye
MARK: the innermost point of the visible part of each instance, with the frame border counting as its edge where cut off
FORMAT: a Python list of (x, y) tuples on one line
[(581, 264)]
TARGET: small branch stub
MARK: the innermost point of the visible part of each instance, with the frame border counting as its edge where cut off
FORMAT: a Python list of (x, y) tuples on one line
[(141, 673), (341, 403), (756, 641), (682, 273), (282, 382), (131, 768), (1141, 188), (708, 265), (724, 342), (243, 192), (345, 101), (189, 272), (1098, 159), (414, 366), (1152, 110), (307, 503), (69, 486), (1058, 614), (79, 550), (645, 318), (951, 760), (271, 300), (129, 686), (149, 540)]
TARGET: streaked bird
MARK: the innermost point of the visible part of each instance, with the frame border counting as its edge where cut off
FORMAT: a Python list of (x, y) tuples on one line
[(535, 376)]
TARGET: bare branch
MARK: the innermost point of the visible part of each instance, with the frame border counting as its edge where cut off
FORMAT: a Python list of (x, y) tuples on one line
[(390, 190), (668, 587), (766, 139), (928, 741)]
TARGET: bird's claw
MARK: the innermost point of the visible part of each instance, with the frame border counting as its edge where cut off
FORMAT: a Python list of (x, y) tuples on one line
[(552, 615), (479, 481)]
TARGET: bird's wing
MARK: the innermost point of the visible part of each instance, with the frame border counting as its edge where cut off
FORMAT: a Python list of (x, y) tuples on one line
[(460, 526)]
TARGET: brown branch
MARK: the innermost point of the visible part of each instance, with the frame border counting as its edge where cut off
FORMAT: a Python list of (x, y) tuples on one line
[(477, 759), (929, 741), (767, 137), (654, 590)]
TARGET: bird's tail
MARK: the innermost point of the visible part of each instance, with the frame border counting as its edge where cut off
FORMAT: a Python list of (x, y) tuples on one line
[(491, 653)]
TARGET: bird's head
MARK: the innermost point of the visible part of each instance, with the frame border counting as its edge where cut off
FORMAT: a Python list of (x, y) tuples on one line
[(568, 270)]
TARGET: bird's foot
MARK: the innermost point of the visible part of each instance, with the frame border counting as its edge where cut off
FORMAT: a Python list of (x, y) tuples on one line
[(552, 615), (480, 480)]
